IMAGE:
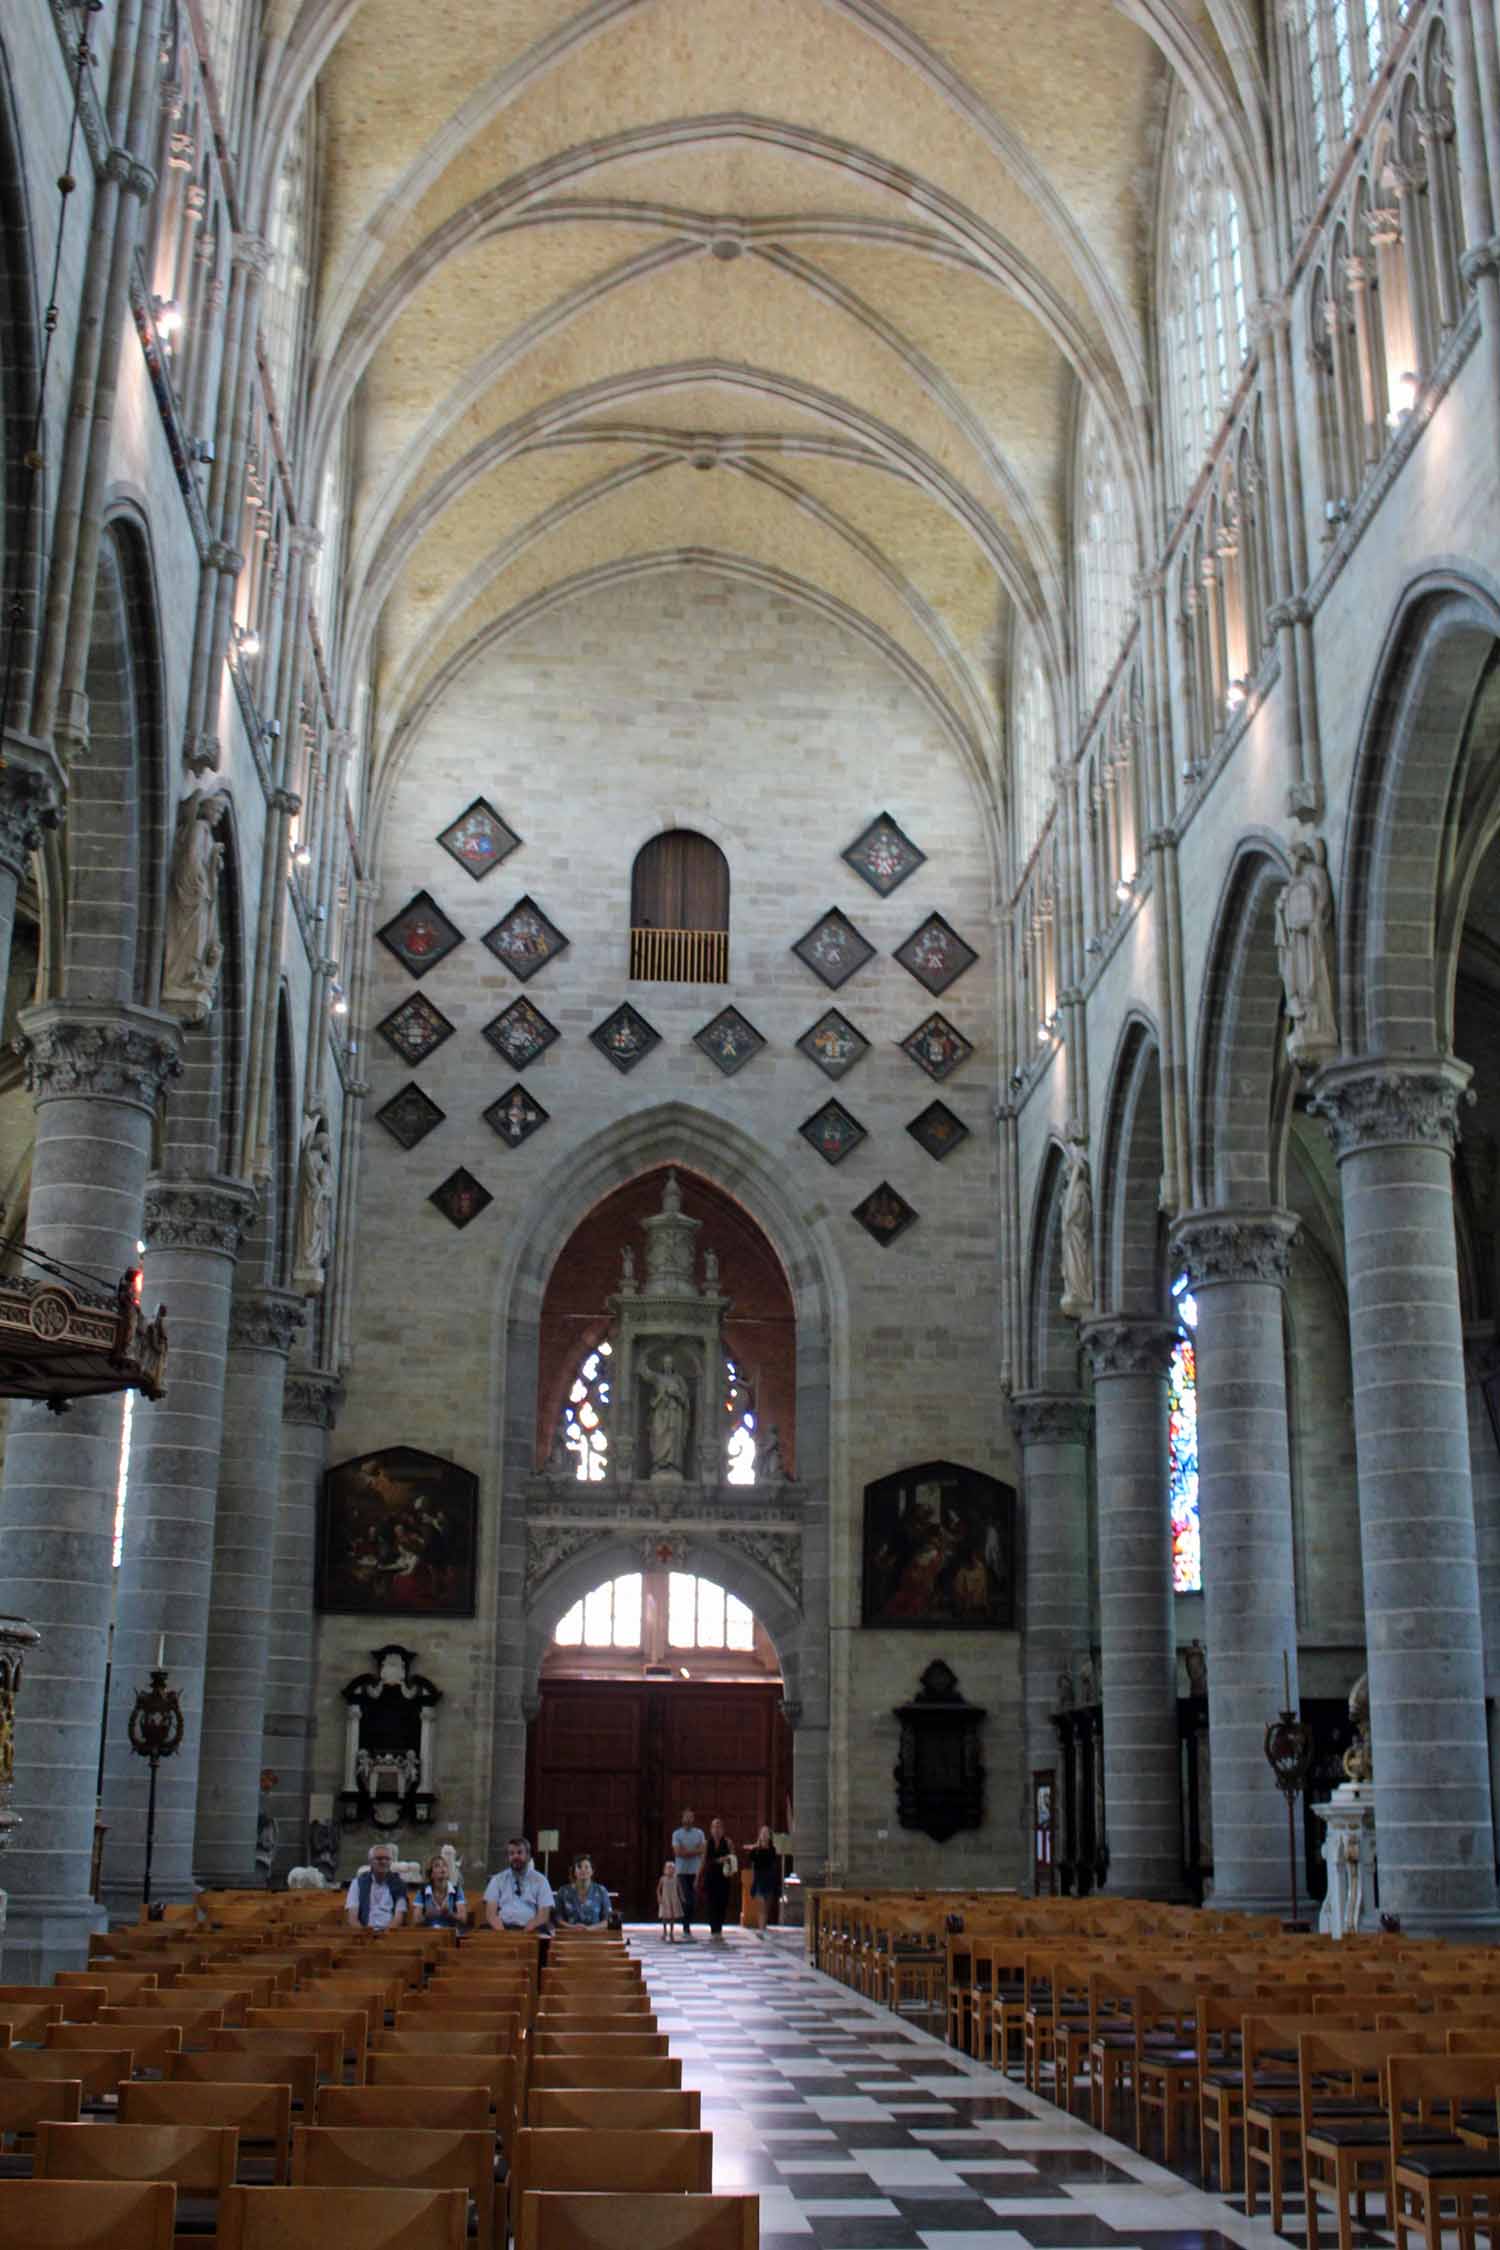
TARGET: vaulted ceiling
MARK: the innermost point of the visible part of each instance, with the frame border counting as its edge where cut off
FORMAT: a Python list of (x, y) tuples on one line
[(809, 287)]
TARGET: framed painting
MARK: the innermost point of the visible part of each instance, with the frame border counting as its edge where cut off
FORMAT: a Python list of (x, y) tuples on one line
[(940, 1551), (398, 1536)]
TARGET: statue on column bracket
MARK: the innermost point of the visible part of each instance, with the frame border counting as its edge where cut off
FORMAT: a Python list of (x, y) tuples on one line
[(195, 947), (671, 1404), (1078, 1236), (1304, 955), (314, 1207)]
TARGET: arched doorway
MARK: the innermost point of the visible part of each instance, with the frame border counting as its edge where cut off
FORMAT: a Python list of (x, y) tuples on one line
[(660, 1689)]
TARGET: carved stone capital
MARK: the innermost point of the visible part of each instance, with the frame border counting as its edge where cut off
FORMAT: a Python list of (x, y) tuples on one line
[(1269, 315), (285, 801), (130, 175), (81, 1050), (225, 559), (312, 1397), (31, 794), (1389, 1104), (266, 1320), (342, 742), (305, 539), (1161, 840), (201, 752), (1230, 1245), (253, 253), (1123, 1345), (1483, 258), (1294, 611), (198, 1215), (1051, 1417)]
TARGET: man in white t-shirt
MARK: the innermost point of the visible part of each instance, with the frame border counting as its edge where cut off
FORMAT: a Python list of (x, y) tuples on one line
[(520, 1896), (377, 1896), (688, 1846)]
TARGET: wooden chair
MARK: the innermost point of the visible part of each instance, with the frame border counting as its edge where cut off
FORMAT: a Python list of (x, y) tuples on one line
[(626, 2005), (604, 2071), (406, 2156), (564, 2221), (25, 2104), (98, 2071), (261, 2115), (638, 2110), (1164, 2064), (317, 2218), (498, 2072), (598, 2043), (116, 1988), (198, 2160), (443, 2109), (17, 1999), (297, 2072), (72, 2214), (1346, 2133), (191, 2022), (150, 2045), (608, 2160), (439, 2023), (351, 2024), (234, 1990), (1426, 2179)]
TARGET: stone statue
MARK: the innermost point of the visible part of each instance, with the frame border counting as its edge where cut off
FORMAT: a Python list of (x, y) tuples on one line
[(769, 1466), (1359, 1766), (671, 1403), (710, 1273), (314, 1207), (1304, 955), (195, 948), (1089, 1690), (627, 1268), (1195, 1663), (1078, 1236)]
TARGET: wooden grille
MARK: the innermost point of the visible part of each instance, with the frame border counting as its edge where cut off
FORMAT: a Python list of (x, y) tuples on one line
[(680, 956)]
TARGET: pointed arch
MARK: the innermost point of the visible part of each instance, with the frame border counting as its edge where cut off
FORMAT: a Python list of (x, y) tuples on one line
[(1243, 1083), (1051, 1342), (1130, 1271)]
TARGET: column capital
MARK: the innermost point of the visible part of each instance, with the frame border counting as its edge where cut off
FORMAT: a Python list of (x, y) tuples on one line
[(304, 539), (1482, 258), (1231, 1245), (254, 253), (1051, 1417), (87, 1050), (187, 1214), (1126, 1344), (31, 796), (312, 1396), (266, 1320), (1378, 1103)]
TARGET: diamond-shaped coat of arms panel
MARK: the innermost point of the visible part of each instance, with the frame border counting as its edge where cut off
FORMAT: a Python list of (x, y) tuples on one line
[(525, 939), (461, 1197), (834, 1044), (938, 1130), (409, 1116), (935, 954), (625, 1037), (885, 1213), (832, 1132), (515, 1116), (884, 855), (415, 1029), (520, 1033), (421, 935), (833, 948), (937, 1047), (479, 839), (730, 1041)]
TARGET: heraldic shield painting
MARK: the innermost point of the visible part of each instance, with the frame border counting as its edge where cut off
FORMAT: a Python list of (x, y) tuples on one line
[(940, 1546), (398, 1535)]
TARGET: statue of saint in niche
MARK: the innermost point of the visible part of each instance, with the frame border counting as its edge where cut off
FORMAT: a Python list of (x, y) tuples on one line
[(667, 1417), (1304, 955), (195, 947), (1078, 1236)]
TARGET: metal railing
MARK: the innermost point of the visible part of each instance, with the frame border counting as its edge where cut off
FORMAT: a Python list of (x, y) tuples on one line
[(680, 956)]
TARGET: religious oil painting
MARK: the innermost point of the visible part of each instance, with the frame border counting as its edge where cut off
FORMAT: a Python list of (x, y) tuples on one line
[(461, 1198), (415, 1029), (939, 1552), (834, 949), (937, 1047), (625, 1037), (884, 855), (520, 1033), (832, 1132), (885, 1213), (515, 1117), (479, 839), (421, 935), (525, 939), (409, 1116), (834, 1044), (398, 1536), (938, 1130), (935, 954), (730, 1041)]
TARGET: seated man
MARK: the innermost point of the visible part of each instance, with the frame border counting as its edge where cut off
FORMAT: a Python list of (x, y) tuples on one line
[(520, 1897), (376, 1899), (582, 1903)]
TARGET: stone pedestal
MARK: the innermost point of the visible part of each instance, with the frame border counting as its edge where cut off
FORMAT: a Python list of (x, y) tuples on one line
[(1237, 1267), (1393, 1127), (1349, 1856), (97, 1072), (1142, 1760)]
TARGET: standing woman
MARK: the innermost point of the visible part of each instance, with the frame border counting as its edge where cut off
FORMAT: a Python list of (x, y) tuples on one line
[(719, 1863), (765, 1880)]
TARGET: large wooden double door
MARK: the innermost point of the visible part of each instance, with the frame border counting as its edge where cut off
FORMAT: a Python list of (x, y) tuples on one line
[(611, 1763)]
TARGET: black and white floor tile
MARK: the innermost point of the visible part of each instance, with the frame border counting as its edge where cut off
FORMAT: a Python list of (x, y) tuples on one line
[(859, 2131)]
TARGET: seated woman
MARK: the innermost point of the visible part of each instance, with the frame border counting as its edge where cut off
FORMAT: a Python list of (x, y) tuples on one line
[(440, 1901), (581, 1902)]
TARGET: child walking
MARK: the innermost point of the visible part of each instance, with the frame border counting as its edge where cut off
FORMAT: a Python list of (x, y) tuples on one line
[(669, 1902)]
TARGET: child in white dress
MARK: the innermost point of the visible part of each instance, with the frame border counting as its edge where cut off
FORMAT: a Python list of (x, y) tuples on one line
[(669, 1902)]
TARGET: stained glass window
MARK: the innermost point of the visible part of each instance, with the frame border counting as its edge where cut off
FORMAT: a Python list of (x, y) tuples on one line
[(1182, 1448), (585, 1420)]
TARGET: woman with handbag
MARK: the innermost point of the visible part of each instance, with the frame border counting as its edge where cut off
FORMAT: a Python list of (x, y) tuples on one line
[(719, 1864), (765, 1881)]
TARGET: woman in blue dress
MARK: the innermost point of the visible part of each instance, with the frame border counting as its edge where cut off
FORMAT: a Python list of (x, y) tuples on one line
[(440, 1901), (581, 1902)]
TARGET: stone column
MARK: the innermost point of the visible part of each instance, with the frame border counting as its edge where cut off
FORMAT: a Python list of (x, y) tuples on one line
[(1052, 1434), (309, 1408), (1142, 1761), (192, 1232), (1237, 1264), (31, 794), (262, 1326), (97, 1072), (1393, 1127)]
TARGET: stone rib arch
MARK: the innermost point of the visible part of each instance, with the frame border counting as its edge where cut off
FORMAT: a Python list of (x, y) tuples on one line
[(612, 1556), (1051, 1340), (1243, 1083), (1130, 1274), (1423, 806)]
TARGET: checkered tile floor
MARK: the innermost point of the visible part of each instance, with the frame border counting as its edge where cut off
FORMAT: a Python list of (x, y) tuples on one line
[(861, 2132)]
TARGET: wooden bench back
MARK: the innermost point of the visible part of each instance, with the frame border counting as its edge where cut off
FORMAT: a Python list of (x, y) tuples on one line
[(104, 2215)]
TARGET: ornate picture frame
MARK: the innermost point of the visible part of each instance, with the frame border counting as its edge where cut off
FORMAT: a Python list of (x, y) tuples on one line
[(398, 1536), (939, 1551)]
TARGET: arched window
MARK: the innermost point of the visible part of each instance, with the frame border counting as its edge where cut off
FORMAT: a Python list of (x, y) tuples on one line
[(284, 298), (679, 910), (1106, 554), (1344, 43), (1033, 743), (609, 1617), (700, 1614), (585, 1420), (1206, 328), (1182, 1447)]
